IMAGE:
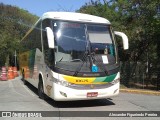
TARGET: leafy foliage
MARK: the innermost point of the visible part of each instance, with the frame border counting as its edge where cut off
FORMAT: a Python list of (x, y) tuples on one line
[(14, 23), (140, 20), (136, 18)]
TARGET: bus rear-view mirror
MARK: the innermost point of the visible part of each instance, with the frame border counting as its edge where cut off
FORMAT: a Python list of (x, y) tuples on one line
[(124, 39), (50, 37)]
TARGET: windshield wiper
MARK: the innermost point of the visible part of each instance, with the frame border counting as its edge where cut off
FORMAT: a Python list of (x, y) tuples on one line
[(89, 56), (92, 60), (100, 65), (84, 59)]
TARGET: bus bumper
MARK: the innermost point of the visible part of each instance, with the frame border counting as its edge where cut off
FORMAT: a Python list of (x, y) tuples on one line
[(62, 93)]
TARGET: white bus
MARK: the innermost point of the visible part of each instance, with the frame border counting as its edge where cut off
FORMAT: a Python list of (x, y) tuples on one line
[(72, 56)]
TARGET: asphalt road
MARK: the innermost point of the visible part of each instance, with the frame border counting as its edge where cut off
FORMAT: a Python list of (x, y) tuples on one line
[(14, 96)]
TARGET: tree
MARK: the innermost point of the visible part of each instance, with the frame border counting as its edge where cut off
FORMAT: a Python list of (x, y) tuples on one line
[(14, 22), (136, 18)]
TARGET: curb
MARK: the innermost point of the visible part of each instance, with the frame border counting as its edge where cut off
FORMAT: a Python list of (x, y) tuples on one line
[(148, 92)]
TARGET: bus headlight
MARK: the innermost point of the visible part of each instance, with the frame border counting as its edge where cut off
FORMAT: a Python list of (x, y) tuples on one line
[(61, 82), (64, 83), (115, 81)]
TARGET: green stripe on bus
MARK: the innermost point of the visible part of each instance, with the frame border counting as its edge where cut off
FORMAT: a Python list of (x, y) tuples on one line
[(105, 79)]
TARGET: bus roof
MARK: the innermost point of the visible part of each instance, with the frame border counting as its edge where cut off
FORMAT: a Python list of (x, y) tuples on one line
[(71, 16)]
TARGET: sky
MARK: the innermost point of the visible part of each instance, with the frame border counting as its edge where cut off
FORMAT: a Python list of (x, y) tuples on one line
[(38, 7)]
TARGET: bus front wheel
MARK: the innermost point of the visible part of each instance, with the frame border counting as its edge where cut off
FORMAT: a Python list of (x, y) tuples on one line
[(40, 89)]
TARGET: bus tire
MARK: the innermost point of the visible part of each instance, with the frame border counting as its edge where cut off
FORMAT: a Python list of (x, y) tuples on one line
[(41, 89)]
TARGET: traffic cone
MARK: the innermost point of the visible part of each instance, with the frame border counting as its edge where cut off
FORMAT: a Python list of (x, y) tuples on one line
[(10, 73), (4, 74), (26, 75), (15, 73), (35, 72)]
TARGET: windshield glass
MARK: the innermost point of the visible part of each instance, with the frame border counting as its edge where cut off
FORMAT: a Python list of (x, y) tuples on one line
[(74, 42)]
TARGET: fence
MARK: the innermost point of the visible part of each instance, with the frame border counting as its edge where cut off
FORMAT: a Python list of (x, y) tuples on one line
[(139, 75)]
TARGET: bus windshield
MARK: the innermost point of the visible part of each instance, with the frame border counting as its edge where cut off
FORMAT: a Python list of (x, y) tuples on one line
[(75, 41)]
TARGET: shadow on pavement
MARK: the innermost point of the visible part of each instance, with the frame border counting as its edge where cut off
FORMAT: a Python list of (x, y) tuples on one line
[(79, 103)]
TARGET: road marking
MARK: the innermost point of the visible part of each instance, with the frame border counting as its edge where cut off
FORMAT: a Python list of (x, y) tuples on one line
[(24, 86), (12, 87), (27, 89)]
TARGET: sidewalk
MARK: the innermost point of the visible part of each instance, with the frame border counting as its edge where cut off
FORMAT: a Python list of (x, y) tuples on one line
[(140, 91)]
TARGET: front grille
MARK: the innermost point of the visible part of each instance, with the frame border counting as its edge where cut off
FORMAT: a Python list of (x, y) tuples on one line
[(90, 86)]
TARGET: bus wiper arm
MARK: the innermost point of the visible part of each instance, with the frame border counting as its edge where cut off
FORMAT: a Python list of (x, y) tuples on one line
[(99, 64), (86, 55), (84, 59)]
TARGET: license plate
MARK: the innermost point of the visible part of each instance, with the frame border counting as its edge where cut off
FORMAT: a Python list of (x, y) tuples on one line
[(92, 94)]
